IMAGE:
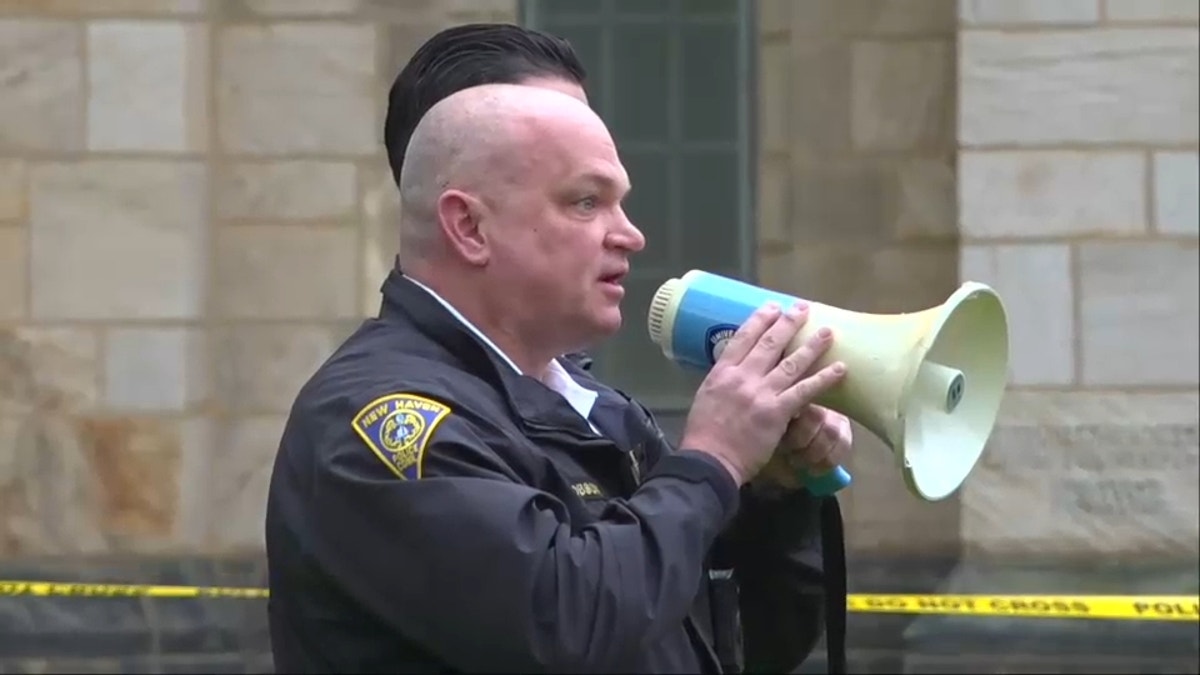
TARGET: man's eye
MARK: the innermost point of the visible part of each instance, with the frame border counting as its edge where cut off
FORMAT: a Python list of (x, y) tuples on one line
[(587, 203)]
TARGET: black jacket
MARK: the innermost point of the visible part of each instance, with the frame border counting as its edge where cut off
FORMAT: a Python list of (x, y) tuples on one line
[(431, 510)]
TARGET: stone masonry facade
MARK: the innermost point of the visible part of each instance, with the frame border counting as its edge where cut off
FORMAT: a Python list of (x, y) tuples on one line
[(1077, 192), (1048, 149), (195, 208)]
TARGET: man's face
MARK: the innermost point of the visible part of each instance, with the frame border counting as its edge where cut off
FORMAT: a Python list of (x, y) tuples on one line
[(563, 238)]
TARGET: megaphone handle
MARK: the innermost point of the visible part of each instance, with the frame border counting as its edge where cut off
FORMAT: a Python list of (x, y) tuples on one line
[(827, 483)]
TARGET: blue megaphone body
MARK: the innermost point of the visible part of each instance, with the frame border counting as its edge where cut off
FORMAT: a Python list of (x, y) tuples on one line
[(928, 383), (693, 323)]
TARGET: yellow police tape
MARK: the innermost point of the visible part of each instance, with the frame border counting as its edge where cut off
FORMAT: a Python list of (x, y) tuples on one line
[(1120, 607)]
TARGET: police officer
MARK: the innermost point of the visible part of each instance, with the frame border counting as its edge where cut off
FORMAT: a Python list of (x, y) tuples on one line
[(451, 496)]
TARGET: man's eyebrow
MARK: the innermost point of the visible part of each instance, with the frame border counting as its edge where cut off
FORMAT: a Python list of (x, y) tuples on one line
[(603, 180)]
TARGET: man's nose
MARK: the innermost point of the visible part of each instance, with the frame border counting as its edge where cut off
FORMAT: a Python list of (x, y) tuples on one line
[(627, 236)]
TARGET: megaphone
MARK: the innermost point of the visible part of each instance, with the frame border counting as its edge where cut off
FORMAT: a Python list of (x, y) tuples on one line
[(927, 383)]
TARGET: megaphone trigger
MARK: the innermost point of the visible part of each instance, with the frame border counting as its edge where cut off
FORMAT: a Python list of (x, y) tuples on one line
[(928, 383)]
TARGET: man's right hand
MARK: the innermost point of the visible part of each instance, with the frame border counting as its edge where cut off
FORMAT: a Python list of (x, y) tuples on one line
[(742, 408)]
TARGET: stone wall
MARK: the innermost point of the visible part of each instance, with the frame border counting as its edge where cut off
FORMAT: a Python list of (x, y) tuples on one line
[(1049, 149), (194, 208), (857, 202), (1077, 191)]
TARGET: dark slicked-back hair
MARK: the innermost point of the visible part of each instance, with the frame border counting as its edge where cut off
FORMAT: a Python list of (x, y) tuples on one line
[(467, 56)]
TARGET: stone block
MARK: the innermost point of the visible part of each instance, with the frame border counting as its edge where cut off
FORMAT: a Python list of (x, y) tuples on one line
[(43, 81), (288, 190), (1035, 282), (148, 86), (777, 89), (1139, 312), (1086, 475), (55, 371), (903, 95), (314, 8), (138, 8), (243, 460), (379, 229), (841, 200), (134, 635), (774, 16), (230, 663), (873, 17), (926, 199), (871, 200), (1183, 11), (1177, 192), (86, 484), (1094, 86), (1035, 12), (996, 660), (866, 277), (154, 369), (71, 634), (14, 274), (286, 272), (298, 88), (402, 31), (1049, 644), (260, 368), (471, 11), (883, 518), (1051, 193), (814, 91), (13, 186), (774, 202), (135, 230)]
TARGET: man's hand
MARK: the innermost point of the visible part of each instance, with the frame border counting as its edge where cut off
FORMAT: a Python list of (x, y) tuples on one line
[(743, 407), (816, 441)]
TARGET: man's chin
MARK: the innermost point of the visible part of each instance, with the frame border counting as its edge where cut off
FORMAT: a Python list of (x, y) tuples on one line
[(610, 324), (602, 327)]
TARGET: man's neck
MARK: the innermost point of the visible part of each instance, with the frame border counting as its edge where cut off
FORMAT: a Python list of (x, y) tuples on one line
[(503, 337)]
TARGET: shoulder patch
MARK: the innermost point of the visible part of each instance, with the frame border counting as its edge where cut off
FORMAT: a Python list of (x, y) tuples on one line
[(397, 427)]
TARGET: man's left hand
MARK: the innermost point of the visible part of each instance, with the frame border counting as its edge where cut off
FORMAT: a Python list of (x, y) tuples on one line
[(816, 442)]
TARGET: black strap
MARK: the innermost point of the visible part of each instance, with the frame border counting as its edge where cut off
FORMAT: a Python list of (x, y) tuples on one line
[(726, 616), (833, 560)]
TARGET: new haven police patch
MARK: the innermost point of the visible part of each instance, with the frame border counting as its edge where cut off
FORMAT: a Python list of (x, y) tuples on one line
[(397, 428)]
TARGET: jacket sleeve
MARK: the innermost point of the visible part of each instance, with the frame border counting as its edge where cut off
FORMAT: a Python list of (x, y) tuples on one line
[(774, 547), (491, 574)]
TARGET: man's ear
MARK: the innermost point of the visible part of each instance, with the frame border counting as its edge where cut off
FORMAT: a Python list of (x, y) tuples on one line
[(460, 216)]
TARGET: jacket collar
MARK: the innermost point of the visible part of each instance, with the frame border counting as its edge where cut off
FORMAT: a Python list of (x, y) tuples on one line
[(531, 400)]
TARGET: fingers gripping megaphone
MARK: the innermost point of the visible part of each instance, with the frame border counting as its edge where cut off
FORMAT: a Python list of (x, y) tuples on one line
[(929, 384)]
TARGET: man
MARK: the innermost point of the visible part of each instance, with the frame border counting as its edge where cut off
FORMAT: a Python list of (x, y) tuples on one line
[(467, 55), (449, 496)]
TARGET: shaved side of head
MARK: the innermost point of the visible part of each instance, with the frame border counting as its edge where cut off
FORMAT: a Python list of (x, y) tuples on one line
[(513, 215), (478, 140)]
